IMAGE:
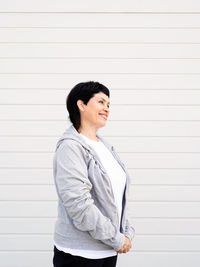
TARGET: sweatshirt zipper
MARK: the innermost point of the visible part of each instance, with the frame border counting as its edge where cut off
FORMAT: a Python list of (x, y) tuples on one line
[(123, 211)]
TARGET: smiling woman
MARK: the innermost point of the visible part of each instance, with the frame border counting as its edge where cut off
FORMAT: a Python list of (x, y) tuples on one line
[(93, 115), (92, 184), (87, 102)]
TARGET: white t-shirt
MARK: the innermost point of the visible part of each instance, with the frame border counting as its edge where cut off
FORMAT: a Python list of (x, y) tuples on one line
[(118, 180)]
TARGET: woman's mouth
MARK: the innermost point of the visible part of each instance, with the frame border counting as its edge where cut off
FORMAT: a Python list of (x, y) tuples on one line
[(103, 115)]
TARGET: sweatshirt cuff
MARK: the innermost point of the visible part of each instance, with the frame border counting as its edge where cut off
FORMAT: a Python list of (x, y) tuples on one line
[(120, 243), (130, 233)]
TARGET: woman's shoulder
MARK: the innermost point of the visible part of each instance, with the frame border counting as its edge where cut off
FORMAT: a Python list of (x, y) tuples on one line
[(70, 144), (71, 153)]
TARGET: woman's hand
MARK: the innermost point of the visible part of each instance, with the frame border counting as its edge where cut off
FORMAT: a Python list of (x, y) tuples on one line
[(126, 247)]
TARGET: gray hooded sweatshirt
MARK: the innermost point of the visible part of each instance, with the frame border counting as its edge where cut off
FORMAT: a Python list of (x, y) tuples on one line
[(87, 214)]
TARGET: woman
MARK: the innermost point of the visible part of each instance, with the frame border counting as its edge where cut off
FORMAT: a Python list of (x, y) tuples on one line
[(92, 183)]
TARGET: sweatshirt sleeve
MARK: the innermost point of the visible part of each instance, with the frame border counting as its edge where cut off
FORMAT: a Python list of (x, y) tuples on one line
[(129, 230), (74, 189)]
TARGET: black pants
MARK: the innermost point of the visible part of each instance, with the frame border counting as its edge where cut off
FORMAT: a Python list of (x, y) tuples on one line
[(62, 259)]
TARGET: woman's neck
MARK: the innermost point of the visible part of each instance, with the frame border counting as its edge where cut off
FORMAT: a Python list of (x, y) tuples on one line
[(88, 132)]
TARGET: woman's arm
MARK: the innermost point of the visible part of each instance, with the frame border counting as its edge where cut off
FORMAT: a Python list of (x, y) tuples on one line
[(74, 189), (129, 230)]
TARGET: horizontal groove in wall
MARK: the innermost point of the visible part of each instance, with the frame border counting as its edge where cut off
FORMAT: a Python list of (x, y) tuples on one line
[(97, 27), (42, 168), (135, 217), (125, 42), (110, 136), (131, 252), (61, 105), (132, 184), (127, 152), (164, 201), (109, 120), (147, 58), (50, 234), (106, 136), (107, 73), (130, 201), (113, 89), (99, 12)]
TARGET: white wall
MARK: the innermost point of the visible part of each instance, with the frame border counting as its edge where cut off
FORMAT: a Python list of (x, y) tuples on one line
[(148, 53)]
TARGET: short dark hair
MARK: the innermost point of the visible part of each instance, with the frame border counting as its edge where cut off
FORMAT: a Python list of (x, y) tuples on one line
[(83, 91)]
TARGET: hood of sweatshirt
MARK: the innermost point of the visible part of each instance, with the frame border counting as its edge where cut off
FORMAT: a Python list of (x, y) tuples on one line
[(73, 134)]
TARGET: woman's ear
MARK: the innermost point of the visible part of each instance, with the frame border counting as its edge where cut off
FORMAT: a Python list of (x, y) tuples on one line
[(80, 105)]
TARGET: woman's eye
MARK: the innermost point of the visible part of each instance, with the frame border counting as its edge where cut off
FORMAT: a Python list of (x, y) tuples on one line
[(100, 101)]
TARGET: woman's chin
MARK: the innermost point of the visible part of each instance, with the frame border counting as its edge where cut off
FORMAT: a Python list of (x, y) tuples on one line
[(102, 124)]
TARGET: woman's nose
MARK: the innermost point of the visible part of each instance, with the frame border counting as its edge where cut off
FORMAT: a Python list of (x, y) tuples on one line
[(106, 108)]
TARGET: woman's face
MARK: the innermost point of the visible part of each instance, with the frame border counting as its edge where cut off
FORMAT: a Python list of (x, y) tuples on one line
[(96, 112)]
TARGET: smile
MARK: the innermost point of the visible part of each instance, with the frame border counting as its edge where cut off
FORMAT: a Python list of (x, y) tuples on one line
[(104, 116)]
